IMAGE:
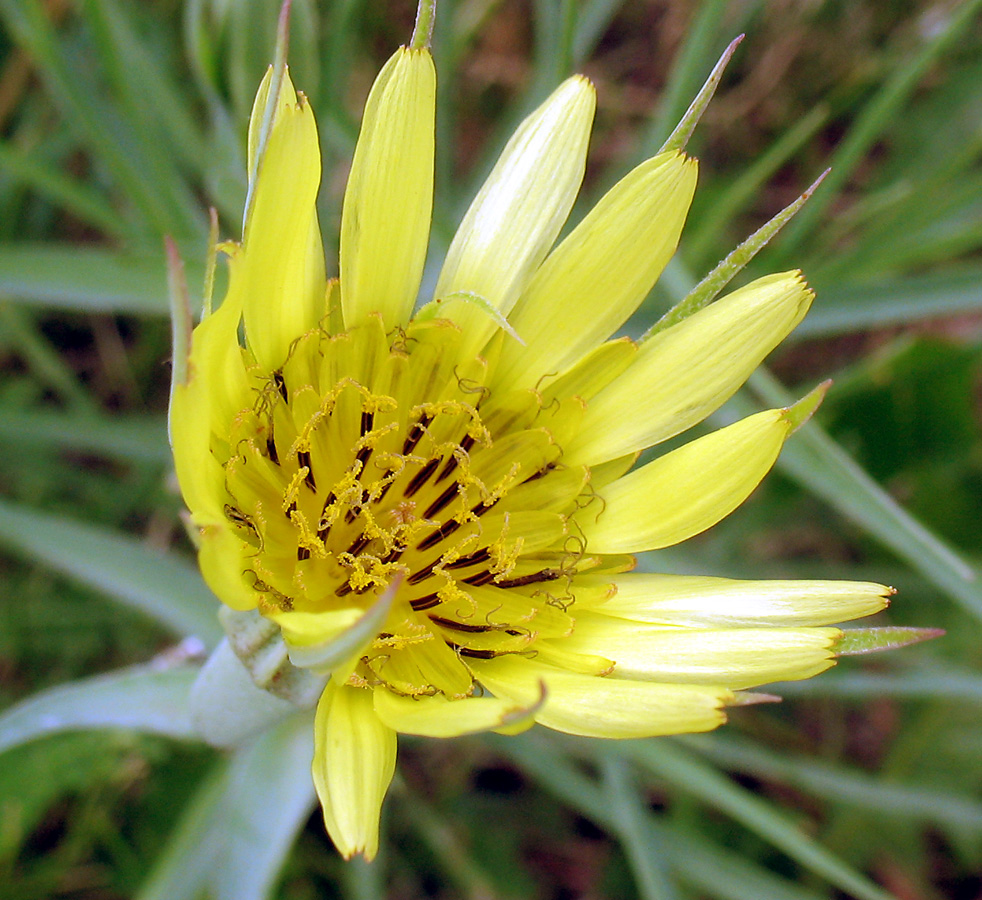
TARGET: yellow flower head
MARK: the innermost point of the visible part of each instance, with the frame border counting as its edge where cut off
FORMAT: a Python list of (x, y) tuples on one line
[(438, 513)]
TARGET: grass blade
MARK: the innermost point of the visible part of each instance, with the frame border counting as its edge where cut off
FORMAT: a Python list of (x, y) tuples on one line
[(697, 863), (817, 462), (644, 855), (879, 111), (842, 785), (90, 280), (143, 698), (163, 586), (680, 769)]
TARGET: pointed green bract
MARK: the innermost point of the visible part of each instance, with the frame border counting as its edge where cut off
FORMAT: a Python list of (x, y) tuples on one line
[(857, 641)]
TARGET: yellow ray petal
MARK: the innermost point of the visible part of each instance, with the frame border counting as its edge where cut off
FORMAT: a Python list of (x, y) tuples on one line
[(215, 391), (354, 758), (737, 657), (385, 222), (280, 271), (688, 490), (596, 277), (519, 211), (701, 601), (605, 707), (223, 559), (438, 717), (681, 375)]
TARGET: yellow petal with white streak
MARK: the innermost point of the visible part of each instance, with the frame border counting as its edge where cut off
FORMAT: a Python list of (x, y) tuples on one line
[(279, 273), (703, 601), (216, 390), (688, 490), (519, 211), (437, 716), (597, 277), (686, 372), (737, 657), (354, 758), (385, 222), (605, 707)]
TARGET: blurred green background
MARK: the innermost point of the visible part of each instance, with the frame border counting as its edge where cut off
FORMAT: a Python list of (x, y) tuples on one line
[(123, 120)]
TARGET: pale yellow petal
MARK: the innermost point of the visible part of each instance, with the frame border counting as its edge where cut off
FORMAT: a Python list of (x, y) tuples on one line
[(688, 490), (385, 223), (519, 211), (215, 391), (605, 707), (224, 560), (702, 601), (280, 270), (437, 716), (683, 374), (736, 657), (589, 285), (354, 759)]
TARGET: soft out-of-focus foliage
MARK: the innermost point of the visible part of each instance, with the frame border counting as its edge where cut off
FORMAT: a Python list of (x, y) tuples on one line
[(121, 121)]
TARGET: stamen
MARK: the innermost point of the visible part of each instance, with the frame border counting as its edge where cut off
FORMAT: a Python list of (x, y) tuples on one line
[(303, 461), (422, 574), (416, 434), (280, 383), (359, 544), (466, 442), (444, 531), (462, 626), (480, 579), (427, 602), (271, 447), (473, 654), (534, 578), (478, 556), (441, 502), (420, 478)]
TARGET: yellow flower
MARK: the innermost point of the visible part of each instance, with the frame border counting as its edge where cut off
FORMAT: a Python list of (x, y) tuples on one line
[(439, 513)]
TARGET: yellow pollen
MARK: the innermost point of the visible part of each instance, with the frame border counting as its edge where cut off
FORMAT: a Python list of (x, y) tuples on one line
[(340, 483)]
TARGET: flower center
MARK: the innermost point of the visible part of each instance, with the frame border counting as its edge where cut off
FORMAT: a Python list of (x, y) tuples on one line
[(406, 464)]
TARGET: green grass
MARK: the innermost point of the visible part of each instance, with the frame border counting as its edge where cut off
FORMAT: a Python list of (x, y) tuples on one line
[(122, 121)]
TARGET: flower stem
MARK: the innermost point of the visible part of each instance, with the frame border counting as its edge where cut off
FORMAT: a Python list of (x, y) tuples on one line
[(423, 30)]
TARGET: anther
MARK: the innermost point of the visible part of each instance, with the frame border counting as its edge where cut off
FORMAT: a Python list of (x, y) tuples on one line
[(534, 578), (359, 544), (472, 559), (481, 578), (422, 574), (427, 602), (416, 434), (303, 461), (444, 531), (441, 502), (466, 442), (421, 477), (280, 383), (462, 626)]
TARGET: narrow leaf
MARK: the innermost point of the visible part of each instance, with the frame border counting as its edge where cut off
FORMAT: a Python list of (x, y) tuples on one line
[(88, 280), (163, 586), (143, 698), (683, 771)]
